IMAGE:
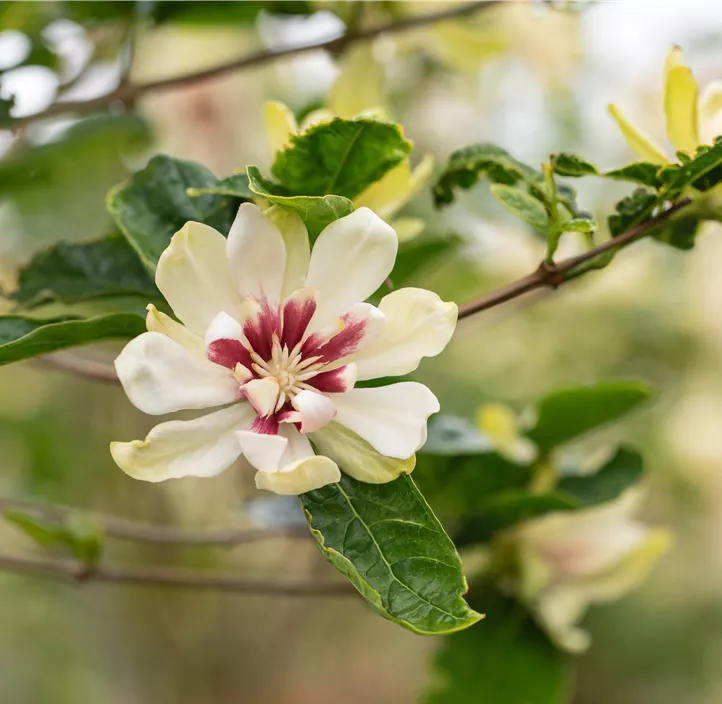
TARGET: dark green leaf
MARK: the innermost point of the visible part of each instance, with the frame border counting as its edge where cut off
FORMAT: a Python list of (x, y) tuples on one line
[(621, 472), (505, 659), (468, 165), (69, 273), (154, 204), (680, 233), (212, 12), (521, 204), (235, 186), (315, 211), (641, 172), (572, 165), (22, 338), (387, 541), (566, 414), (6, 105), (632, 211), (341, 157)]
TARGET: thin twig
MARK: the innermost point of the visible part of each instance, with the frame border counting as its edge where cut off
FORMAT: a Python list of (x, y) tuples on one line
[(553, 275), (73, 570), (127, 92), (72, 364), (138, 531)]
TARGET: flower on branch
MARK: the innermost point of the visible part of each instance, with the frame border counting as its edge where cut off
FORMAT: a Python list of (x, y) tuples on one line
[(279, 336), (568, 561), (691, 120)]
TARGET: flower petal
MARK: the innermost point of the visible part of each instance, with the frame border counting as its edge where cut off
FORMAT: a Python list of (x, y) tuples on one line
[(280, 125), (156, 321), (392, 419), (223, 326), (262, 394), (358, 459), (351, 258), (202, 447), (159, 376), (298, 249), (710, 112), (264, 452), (359, 327), (256, 255), (640, 143), (315, 410), (418, 324), (680, 103), (298, 309), (336, 381), (306, 475), (192, 274)]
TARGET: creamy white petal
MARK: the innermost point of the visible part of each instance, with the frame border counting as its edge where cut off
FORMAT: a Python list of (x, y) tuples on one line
[(350, 260), (306, 475), (256, 255), (315, 410), (156, 321), (298, 249), (159, 376), (202, 447), (223, 327), (358, 459), (262, 394), (192, 274), (418, 324), (264, 452), (392, 419)]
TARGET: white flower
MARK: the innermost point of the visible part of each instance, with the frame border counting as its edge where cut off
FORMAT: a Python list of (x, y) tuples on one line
[(570, 560), (280, 335)]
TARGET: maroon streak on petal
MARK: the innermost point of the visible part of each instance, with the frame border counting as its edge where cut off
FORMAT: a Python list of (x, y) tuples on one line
[(228, 353), (340, 345), (297, 314), (335, 381), (265, 425), (259, 330)]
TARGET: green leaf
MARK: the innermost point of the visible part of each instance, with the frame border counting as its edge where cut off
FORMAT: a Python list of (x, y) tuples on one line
[(316, 211), (468, 165), (236, 186), (341, 157), (387, 541), (84, 536), (620, 473), (505, 659), (586, 226), (632, 211), (567, 414), (22, 338), (6, 105), (42, 531), (154, 204), (566, 164), (521, 204), (680, 233), (69, 273), (642, 172)]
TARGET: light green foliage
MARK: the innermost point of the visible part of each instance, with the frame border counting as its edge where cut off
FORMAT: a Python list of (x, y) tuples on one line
[(22, 338), (69, 273), (641, 172), (154, 204), (505, 659), (235, 186), (315, 211), (468, 165), (387, 541), (340, 157), (522, 205), (566, 164), (568, 413)]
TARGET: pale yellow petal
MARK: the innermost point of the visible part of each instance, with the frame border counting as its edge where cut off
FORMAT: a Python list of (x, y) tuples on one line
[(710, 112), (639, 143), (358, 459), (156, 321), (298, 249), (359, 86), (465, 46), (306, 475), (408, 229), (316, 117), (280, 125), (680, 103)]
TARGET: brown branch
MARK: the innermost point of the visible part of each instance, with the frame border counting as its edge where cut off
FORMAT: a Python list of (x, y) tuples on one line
[(72, 364), (553, 275), (73, 570), (137, 531), (127, 93)]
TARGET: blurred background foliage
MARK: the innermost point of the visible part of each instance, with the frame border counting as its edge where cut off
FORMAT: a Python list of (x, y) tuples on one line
[(534, 79)]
